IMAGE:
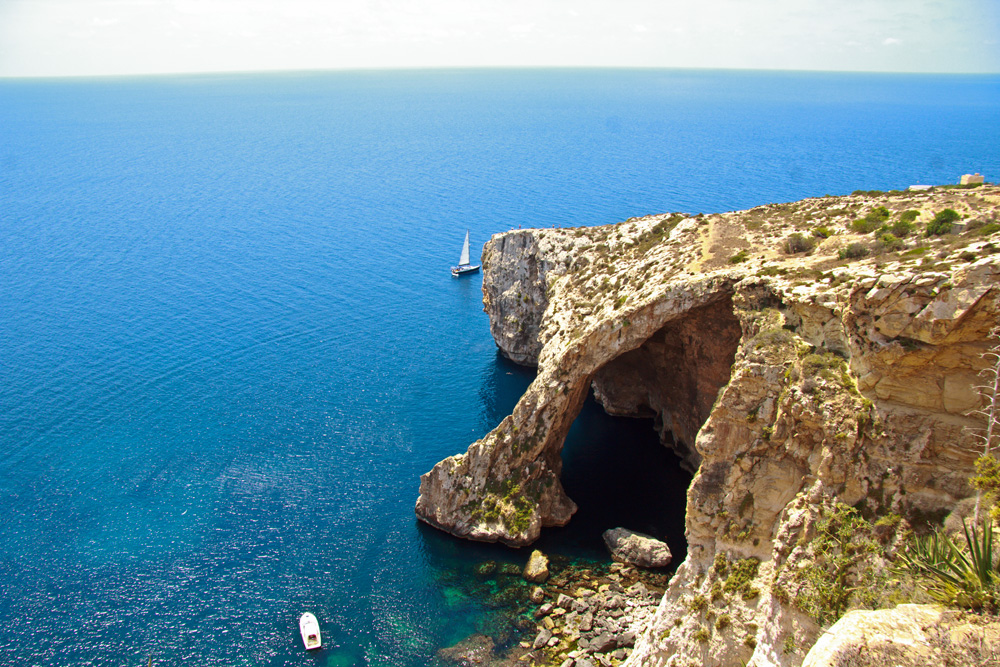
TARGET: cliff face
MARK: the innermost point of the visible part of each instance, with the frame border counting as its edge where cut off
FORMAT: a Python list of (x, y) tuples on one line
[(786, 380)]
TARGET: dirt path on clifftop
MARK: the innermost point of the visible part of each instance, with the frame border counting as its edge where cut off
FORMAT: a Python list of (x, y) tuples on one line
[(720, 239)]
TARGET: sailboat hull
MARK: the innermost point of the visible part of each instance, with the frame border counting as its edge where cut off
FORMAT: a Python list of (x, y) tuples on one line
[(464, 269)]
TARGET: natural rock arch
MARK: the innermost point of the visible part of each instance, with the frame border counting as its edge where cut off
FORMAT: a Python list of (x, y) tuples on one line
[(507, 487)]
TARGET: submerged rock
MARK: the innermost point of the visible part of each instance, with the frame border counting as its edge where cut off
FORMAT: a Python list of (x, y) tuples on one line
[(634, 548), (470, 652)]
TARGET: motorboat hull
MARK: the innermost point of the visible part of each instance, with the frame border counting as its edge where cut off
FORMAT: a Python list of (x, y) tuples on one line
[(309, 627)]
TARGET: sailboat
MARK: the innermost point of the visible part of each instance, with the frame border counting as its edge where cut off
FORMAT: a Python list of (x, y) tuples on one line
[(463, 262)]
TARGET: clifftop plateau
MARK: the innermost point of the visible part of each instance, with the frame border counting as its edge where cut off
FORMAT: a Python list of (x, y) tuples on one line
[(794, 355)]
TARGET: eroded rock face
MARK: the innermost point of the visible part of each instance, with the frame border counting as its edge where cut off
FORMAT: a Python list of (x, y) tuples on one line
[(848, 381), (675, 376), (518, 264)]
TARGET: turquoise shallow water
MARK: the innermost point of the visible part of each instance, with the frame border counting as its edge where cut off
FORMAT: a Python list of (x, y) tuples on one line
[(230, 344)]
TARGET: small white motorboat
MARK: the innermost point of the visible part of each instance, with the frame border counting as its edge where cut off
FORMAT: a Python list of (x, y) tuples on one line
[(309, 627)]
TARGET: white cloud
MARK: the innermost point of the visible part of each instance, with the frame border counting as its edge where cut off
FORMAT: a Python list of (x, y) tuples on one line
[(66, 37)]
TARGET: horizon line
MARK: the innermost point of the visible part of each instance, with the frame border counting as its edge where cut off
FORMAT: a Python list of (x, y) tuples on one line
[(470, 68)]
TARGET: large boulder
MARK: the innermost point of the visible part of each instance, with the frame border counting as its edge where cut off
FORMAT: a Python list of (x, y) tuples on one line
[(537, 569), (634, 548)]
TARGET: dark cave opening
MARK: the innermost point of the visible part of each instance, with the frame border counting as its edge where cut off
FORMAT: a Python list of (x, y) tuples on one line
[(629, 457), (619, 474)]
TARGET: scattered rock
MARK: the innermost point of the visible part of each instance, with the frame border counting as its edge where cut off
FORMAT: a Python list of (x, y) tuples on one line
[(486, 568), (627, 546), (537, 569), (602, 643), (542, 639), (536, 595)]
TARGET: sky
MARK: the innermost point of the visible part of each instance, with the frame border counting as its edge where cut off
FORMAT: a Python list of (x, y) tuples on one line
[(112, 37)]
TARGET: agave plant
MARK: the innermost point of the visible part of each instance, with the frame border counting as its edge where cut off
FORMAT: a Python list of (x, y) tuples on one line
[(953, 575)]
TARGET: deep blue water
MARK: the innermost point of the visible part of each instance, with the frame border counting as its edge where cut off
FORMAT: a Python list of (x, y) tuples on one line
[(230, 344)]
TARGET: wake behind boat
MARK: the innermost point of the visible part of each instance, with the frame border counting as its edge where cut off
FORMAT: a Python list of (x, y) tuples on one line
[(463, 262), (309, 627)]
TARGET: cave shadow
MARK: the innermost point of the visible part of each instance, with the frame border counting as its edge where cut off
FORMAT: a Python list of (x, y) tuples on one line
[(619, 474), (634, 471)]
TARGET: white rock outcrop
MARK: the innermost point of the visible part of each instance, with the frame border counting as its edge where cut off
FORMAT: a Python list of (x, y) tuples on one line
[(910, 635)]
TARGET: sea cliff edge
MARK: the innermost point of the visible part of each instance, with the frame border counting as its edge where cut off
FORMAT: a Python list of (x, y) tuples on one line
[(793, 357)]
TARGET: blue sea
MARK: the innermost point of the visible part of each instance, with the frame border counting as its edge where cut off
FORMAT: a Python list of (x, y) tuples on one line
[(230, 343)]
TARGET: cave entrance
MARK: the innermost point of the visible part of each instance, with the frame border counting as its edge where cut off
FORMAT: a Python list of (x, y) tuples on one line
[(629, 457), (619, 474), (675, 375)]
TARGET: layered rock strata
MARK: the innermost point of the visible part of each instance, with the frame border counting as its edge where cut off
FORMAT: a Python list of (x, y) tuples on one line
[(787, 379)]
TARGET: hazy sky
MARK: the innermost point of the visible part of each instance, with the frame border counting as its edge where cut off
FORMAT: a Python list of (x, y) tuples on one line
[(74, 37)]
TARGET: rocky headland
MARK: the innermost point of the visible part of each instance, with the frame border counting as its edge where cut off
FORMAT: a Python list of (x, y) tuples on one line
[(800, 357)]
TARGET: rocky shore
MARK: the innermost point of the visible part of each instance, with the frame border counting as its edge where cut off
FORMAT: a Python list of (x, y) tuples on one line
[(800, 357), (581, 616)]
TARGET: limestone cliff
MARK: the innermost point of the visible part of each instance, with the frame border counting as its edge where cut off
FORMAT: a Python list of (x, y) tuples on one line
[(787, 375)]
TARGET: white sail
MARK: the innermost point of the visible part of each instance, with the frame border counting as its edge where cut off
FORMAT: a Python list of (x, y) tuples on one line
[(465, 251)]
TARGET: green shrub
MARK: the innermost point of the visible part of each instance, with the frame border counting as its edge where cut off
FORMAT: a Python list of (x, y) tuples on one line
[(909, 216), (855, 250), (702, 635), (902, 228), (865, 226), (740, 577), (741, 256), (872, 221), (888, 243), (723, 622), (721, 564), (879, 213), (989, 228), (822, 232), (842, 567), (797, 243), (942, 223)]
